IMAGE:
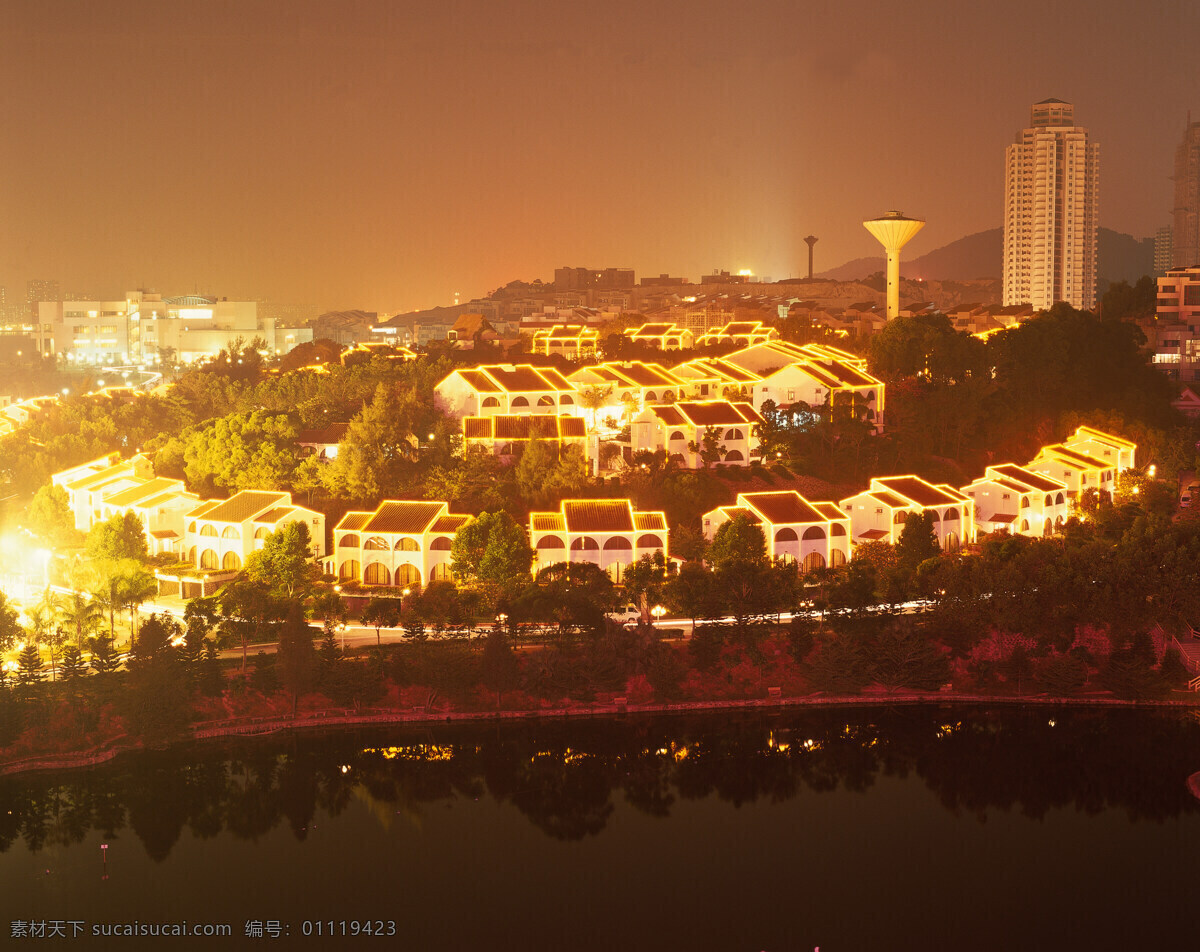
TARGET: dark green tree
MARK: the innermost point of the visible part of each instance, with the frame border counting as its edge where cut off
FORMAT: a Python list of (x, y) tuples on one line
[(122, 536)]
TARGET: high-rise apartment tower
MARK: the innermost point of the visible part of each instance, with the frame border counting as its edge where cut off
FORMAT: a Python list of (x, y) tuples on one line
[(1186, 238), (1051, 210)]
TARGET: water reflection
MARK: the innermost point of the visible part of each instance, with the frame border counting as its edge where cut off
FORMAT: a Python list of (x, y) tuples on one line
[(564, 777)]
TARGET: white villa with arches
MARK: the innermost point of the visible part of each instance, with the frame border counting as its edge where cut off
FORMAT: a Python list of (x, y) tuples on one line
[(402, 543), (812, 534), (222, 534), (606, 532), (1115, 450), (1018, 500), (505, 389), (1077, 469), (879, 513), (673, 428), (631, 385)]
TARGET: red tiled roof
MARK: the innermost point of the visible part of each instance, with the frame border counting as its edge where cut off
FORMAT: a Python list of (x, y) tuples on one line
[(245, 505), (872, 534), (829, 510), (1002, 517), (649, 522), (450, 522), (714, 413), (919, 491), (353, 521), (783, 507), (598, 515), (547, 522), (412, 518), (479, 381), (571, 426), (670, 415)]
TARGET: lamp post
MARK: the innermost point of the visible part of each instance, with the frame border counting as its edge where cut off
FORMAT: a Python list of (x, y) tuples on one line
[(658, 611)]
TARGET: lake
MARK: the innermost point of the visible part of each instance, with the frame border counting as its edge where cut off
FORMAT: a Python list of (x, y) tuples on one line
[(869, 828)]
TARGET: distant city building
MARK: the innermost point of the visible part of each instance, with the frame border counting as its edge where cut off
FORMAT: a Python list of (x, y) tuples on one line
[(574, 279), (1051, 207), (1173, 336), (1186, 233), (1164, 250), (144, 326), (39, 290), (664, 281), (345, 327)]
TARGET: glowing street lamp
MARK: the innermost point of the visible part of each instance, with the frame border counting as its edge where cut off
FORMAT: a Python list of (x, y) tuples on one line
[(658, 611)]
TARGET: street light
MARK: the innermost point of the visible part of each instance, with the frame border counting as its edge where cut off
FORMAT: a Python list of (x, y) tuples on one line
[(658, 611)]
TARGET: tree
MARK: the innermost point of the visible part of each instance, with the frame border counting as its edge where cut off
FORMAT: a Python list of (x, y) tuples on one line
[(498, 667), (284, 564), (29, 666), (73, 665), (738, 541), (81, 614), (156, 639), (381, 613), (918, 541), (50, 518), (105, 659), (493, 553), (710, 448), (644, 579), (378, 446), (547, 473), (10, 629), (137, 587), (593, 399), (248, 608), (691, 593), (297, 658), (122, 536)]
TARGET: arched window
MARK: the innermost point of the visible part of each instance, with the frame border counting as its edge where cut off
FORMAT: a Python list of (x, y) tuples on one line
[(677, 435), (668, 395), (1049, 501), (262, 533), (408, 575), (934, 518), (566, 400), (232, 562), (1058, 501), (952, 515), (786, 535), (191, 526), (901, 518), (519, 402), (1024, 525), (814, 532), (192, 555), (870, 396), (814, 560), (208, 530), (651, 395), (550, 542), (377, 544), (543, 401), (733, 456), (490, 403), (585, 544), (376, 573), (617, 544), (649, 542), (1024, 502), (349, 540), (441, 573), (348, 569), (208, 559), (837, 557), (837, 529), (734, 435), (407, 545), (441, 544), (231, 532), (950, 542)]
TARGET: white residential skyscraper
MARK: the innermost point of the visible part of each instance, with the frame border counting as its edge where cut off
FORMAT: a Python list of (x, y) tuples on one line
[(1051, 211)]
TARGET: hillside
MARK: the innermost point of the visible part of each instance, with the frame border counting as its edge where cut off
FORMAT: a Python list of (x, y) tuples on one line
[(1122, 258)]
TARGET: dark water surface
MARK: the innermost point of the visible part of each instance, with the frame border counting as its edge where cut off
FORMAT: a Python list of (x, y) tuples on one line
[(907, 828)]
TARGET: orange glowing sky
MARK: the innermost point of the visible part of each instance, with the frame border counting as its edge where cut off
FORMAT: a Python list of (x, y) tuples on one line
[(387, 154)]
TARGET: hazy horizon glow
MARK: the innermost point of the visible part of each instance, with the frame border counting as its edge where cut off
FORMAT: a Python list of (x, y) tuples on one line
[(386, 155)]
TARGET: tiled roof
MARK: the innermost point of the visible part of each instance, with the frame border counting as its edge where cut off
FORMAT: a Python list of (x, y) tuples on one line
[(714, 413), (1029, 478), (748, 413), (137, 494), (164, 498), (1002, 517), (244, 505), (1087, 432), (1074, 457), (872, 534), (647, 375), (829, 510), (598, 515), (556, 380), (403, 516), (732, 511), (479, 381), (531, 427), (655, 330), (165, 534), (953, 493), (547, 522), (522, 379), (670, 415), (104, 477), (849, 376), (273, 516), (916, 489), (353, 521), (650, 522), (450, 522), (888, 499), (205, 507), (782, 507)]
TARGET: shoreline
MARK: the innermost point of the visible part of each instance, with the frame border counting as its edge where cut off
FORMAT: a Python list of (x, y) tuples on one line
[(340, 718)]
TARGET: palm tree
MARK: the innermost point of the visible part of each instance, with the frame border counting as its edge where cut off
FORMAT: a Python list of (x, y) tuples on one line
[(137, 587), (107, 596), (81, 612), (43, 624), (593, 398)]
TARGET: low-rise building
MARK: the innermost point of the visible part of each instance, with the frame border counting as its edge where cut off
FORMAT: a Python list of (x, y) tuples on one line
[(222, 534), (572, 341), (1019, 501), (161, 504), (606, 532), (1078, 470), (812, 534), (403, 543), (664, 336), (510, 389), (87, 489), (631, 386), (740, 334), (681, 430), (503, 435), (879, 512), (1113, 449)]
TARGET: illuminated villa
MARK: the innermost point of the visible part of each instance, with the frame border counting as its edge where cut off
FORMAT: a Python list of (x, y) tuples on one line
[(813, 534), (1018, 501), (573, 341), (672, 428), (505, 389), (222, 534), (401, 543), (605, 532), (662, 336), (739, 333), (878, 514)]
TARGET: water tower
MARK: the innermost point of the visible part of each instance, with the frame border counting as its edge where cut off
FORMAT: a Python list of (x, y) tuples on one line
[(810, 241), (893, 230)]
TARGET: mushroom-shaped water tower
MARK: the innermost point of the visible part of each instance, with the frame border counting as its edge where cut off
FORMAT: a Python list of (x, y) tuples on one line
[(893, 230)]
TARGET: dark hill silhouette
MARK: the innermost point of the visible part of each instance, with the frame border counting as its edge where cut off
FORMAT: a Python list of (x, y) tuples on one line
[(1122, 258)]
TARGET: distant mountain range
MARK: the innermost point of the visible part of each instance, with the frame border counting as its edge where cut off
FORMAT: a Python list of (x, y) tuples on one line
[(1122, 258)]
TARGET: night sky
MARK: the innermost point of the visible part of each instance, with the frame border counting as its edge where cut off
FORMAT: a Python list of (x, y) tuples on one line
[(385, 154)]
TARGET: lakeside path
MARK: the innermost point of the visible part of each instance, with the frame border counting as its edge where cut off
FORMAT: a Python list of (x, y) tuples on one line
[(338, 717)]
